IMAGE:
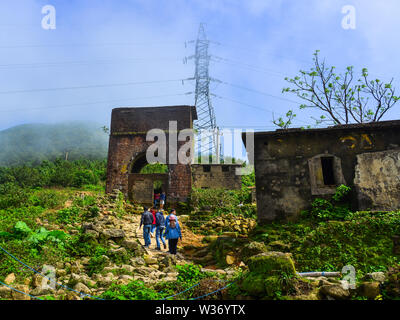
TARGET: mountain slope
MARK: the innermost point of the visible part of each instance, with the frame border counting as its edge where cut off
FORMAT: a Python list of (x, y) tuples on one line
[(33, 143)]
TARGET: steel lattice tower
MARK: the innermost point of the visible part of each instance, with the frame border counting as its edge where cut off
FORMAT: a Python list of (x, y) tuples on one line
[(206, 124)]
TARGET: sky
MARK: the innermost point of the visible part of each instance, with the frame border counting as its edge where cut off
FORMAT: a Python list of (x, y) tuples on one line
[(126, 53)]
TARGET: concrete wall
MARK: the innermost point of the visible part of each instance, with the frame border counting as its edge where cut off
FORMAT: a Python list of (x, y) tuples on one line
[(129, 127), (288, 163), (216, 177), (377, 180)]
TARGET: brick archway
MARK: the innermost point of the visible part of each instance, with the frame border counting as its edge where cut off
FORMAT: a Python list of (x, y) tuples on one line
[(128, 144)]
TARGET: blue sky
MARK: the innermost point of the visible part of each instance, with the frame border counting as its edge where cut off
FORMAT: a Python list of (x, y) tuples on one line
[(125, 42)]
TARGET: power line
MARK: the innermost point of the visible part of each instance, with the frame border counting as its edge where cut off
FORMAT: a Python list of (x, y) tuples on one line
[(89, 44), (247, 66), (263, 53), (256, 91), (96, 102), (94, 86), (51, 64), (255, 107)]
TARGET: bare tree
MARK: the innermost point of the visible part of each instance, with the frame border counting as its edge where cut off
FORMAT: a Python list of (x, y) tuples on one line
[(340, 97)]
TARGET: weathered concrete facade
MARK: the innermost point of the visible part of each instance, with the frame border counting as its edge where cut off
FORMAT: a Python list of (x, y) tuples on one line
[(128, 146), (377, 180), (294, 166), (216, 176)]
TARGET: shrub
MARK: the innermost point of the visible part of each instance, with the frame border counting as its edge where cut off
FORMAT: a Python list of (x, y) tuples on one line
[(12, 196), (222, 201), (98, 261), (136, 290), (338, 208), (69, 215), (47, 199)]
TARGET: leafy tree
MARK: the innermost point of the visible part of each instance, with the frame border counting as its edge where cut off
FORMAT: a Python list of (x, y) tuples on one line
[(340, 97), (284, 124)]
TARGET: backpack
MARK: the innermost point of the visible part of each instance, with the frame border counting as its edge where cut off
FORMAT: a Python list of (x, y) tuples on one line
[(160, 220), (172, 224)]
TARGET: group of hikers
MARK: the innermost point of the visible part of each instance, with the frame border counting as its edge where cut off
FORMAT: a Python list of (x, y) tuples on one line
[(159, 199), (165, 227)]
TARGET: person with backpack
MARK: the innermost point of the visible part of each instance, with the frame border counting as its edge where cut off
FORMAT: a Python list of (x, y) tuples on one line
[(156, 199), (173, 234), (147, 221), (153, 226), (172, 213), (162, 200), (160, 226)]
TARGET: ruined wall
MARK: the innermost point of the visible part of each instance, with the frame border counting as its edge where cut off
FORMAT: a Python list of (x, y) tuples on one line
[(129, 127), (288, 163), (141, 186), (219, 176), (377, 180)]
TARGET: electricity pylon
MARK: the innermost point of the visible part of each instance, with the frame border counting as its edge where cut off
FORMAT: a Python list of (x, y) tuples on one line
[(205, 125)]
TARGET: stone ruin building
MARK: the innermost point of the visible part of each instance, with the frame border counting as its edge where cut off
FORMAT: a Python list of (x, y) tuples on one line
[(294, 166), (127, 156)]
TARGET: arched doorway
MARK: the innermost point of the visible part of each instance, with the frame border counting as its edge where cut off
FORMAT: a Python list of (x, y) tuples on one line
[(145, 180)]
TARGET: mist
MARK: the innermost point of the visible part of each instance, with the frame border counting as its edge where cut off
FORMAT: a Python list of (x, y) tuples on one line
[(136, 51)]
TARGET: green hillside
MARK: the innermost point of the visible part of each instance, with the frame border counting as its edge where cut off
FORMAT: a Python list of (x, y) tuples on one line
[(33, 143)]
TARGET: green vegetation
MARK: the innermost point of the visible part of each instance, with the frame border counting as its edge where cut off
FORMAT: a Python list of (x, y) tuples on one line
[(154, 168), (221, 201), (135, 290), (27, 208), (337, 208), (363, 240)]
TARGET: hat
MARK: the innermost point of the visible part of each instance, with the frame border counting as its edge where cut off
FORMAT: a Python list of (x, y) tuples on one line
[(172, 218)]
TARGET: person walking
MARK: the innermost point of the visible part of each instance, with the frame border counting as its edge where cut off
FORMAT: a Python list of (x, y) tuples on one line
[(147, 221), (172, 213), (160, 226), (153, 226), (156, 199), (173, 234), (162, 200)]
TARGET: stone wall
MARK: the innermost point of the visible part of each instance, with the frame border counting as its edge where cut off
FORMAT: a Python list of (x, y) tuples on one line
[(377, 180), (289, 164), (216, 176)]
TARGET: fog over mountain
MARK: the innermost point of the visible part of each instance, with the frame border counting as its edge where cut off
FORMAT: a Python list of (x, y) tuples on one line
[(33, 143)]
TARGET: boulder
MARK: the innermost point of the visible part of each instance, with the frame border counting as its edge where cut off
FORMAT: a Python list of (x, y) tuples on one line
[(272, 263), (138, 261), (252, 249), (5, 293), (20, 295), (131, 245), (230, 259), (80, 287), (150, 260), (369, 289), (61, 272), (9, 279), (113, 234), (335, 291), (375, 276), (42, 291), (127, 268)]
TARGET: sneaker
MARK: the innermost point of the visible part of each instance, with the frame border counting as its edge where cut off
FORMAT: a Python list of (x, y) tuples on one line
[(158, 248), (165, 246)]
